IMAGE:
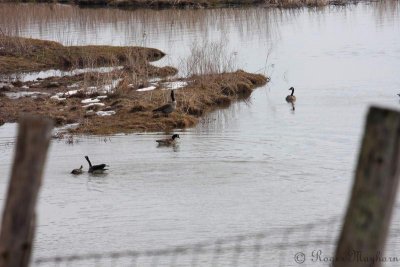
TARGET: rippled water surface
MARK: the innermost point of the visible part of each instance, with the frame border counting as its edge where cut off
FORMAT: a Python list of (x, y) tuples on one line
[(252, 167)]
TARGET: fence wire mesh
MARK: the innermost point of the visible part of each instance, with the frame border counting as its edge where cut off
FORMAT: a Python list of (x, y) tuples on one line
[(302, 245), (275, 247)]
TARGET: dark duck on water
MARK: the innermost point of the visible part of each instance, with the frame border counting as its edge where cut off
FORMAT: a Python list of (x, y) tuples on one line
[(168, 141), (96, 169)]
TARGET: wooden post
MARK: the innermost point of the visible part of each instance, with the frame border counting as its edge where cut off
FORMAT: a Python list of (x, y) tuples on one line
[(364, 232), (18, 223)]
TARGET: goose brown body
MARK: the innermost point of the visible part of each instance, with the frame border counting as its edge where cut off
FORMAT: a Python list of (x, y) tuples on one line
[(291, 97), (168, 141), (77, 171), (167, 108)]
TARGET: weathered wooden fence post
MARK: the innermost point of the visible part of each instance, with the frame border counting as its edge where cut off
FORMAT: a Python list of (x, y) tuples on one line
[(365, 229), (18, 223)]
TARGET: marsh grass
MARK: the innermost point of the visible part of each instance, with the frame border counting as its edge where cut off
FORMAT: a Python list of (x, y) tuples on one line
[(205, 92), (213, 82), (194, 3), (301, 3), (210, 70), (26, 54), (209, 58), (134, 109)]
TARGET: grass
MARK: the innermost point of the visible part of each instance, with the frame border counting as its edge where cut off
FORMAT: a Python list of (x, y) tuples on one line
[(193, 3), (134, 109), (302, 3), (212, 82), (19, 54)]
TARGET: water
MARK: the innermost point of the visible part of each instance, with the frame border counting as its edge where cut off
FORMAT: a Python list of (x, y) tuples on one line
[(249, 168)]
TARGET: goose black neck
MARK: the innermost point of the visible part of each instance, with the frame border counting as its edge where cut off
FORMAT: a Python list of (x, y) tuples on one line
[(172, 96), (292, 91), (87, 158)]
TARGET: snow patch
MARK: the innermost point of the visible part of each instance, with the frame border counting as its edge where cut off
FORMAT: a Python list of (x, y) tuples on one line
[(58, 98), (150, 88), (105, 113), (90, 100)]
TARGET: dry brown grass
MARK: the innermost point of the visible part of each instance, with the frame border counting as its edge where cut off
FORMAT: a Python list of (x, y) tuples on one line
[(134, 109), (302, 3), (19, 54), (169, 3), (209, 58), (211, 84), (193, 3)]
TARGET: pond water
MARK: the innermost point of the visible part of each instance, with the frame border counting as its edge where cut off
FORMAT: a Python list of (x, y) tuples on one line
[(252, 167)]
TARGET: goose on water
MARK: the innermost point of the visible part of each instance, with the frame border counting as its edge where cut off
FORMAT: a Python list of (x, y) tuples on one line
[(77, 171), (167, 108), (95, 169), (291, 97), (168, 141)]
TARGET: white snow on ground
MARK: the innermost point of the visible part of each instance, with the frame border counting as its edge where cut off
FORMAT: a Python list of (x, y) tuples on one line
[(72, 92), (150, 88), (154, 80), (105, 113), (58, 98), (94, 104), (32, 76), (90, 100), (63, 96), (16, 95)]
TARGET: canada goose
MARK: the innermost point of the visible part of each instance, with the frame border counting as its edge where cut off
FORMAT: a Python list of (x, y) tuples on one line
[(95, 168), (291, 97), (167, 108), (169, 141), (77, 171)]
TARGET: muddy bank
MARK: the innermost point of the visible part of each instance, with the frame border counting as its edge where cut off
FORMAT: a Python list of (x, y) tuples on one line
[(127, 107), (19, 54), (159, 4)]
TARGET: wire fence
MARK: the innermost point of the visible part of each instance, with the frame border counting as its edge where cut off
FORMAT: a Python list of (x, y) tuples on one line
[(277, 247), (302, 245)]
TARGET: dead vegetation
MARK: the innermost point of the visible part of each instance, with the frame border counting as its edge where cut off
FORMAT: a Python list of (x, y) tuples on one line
[(303, 3), (116, 104), (133, 109), (19, 54), (159, 4)]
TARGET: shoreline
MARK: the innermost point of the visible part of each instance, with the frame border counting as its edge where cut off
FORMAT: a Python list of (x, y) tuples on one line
[(192, 4), (119, 101)]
